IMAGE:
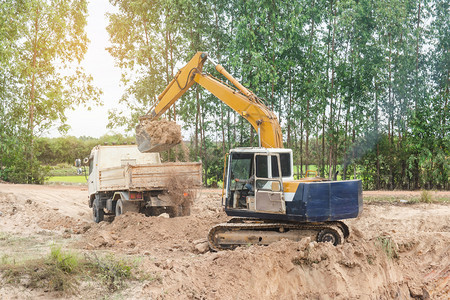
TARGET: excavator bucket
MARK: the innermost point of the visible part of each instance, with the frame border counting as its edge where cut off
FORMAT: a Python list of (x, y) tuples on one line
[(157, 136)]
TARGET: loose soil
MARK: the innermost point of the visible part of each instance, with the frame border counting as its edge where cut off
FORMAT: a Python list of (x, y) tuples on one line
[(396, 250), (161, 132)]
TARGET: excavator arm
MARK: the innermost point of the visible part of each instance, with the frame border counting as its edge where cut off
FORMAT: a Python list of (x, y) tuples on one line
[(241, 100)]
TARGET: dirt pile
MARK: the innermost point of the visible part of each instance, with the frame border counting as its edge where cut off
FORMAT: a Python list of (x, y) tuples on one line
[(395, 251), (136, 233), (362, 268), (387, 259), (27, 215), (285, 270)]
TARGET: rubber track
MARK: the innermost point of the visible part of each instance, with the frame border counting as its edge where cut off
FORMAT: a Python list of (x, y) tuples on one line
[(256, 224)]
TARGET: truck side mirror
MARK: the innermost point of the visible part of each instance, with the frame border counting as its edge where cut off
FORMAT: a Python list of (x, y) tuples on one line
[(77, 162), (86, 160)]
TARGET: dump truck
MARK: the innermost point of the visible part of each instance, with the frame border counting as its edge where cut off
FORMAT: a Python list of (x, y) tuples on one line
[(122, 179), (260, 193)]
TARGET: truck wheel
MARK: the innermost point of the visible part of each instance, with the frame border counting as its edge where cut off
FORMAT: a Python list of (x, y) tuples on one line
[(124, 206), (119, 207), (97, 213)]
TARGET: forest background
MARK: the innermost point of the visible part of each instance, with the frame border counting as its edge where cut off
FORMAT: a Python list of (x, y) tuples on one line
[(359, 87)]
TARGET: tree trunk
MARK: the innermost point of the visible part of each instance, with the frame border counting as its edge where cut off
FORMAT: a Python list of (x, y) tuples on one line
[(33, 96), (307, 127), (223, 129), (391, 117), (331, 126), (289, 112), (417, 58), (301, 147)]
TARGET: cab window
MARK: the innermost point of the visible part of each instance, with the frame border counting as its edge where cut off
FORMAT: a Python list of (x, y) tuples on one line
[(262, 166)]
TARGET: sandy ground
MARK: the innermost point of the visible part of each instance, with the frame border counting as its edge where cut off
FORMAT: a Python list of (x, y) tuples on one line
[(175, 252)]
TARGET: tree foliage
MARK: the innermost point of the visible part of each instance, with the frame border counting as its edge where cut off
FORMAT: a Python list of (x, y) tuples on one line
[(43, 42), (360, 87)]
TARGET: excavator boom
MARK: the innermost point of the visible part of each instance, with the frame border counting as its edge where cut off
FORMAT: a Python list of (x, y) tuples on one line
[(241, 100)]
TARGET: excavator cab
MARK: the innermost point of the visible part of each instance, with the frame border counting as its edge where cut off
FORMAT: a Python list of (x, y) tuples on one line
[(256, 180)]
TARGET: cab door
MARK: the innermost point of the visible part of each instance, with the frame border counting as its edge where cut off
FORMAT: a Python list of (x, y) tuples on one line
[(269, 196), (93, 173)]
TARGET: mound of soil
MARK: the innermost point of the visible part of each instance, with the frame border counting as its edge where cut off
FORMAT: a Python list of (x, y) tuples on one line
[(160, 132), (395, 251)]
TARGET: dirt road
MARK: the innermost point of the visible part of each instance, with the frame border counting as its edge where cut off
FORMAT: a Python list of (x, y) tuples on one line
[(395, 251)]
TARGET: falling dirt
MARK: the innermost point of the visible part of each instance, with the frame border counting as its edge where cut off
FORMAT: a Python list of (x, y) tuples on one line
[(184, 151), (395, 251), (182, 191)]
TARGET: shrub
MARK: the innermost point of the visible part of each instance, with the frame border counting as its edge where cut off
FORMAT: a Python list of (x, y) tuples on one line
[(426, 197)]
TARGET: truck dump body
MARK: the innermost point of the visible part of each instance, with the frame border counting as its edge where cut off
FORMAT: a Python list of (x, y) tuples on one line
[(317, 202), (148, 177), (122, 179), (125, 168)]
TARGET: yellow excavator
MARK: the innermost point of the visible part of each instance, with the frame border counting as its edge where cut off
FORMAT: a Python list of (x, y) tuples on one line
[(260, 192)]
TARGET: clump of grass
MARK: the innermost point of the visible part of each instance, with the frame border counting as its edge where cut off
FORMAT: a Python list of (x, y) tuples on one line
[(65, 261), (388, 245), (426, 197), (111, 271), (52, 273), (62, 270)]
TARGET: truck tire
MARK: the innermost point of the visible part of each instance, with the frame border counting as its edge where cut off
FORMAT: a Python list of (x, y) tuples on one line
[(119, 207), (124, 206), (98, 213)]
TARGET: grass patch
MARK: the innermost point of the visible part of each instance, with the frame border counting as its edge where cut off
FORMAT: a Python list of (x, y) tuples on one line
[(388, 245), (423, 197), (61, 271), (110, 270), (63, 170), (67, 179), (16, 249), (54, 272), (426, 197)]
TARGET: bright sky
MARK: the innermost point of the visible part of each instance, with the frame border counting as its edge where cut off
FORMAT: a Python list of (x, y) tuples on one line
[(100, 64)]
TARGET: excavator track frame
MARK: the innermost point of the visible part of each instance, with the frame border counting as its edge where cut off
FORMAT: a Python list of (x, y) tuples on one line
[(244, 231)]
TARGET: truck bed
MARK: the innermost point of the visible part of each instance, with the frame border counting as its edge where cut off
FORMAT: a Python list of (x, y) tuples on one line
[(148, 177)]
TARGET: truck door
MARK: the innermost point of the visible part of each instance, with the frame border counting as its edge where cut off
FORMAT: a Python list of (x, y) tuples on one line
[(269, 195)]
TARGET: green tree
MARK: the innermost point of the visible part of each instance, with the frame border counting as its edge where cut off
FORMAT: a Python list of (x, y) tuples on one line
[(47, 41)]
